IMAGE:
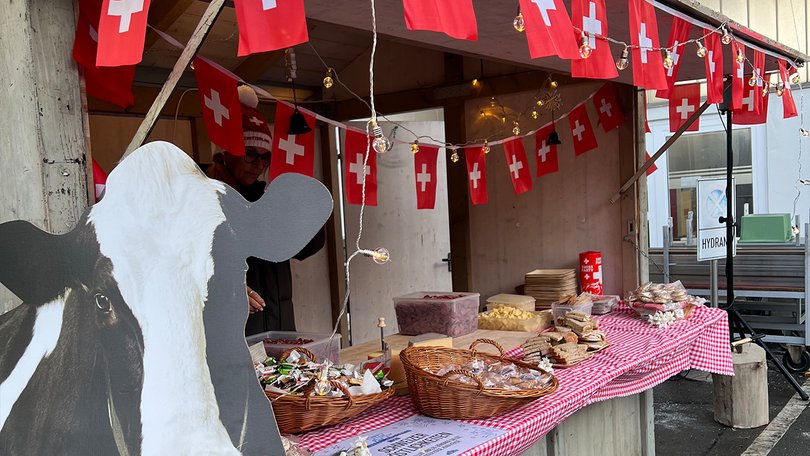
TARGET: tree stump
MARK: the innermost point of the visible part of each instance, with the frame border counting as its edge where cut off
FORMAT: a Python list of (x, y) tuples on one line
[(741, 401)]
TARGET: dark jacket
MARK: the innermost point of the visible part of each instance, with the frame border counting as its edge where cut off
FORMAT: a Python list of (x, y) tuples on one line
[(273, 281)]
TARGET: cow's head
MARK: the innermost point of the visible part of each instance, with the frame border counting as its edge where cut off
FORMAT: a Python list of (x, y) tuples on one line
[(140, 294)]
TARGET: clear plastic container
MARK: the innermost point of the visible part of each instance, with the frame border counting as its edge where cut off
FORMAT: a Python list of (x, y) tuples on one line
[(451, 313), (559, 310), (604, 304), (319, 345), (511, 300)]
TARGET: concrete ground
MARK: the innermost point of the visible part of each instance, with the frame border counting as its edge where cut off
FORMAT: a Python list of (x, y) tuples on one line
[(684, 420)]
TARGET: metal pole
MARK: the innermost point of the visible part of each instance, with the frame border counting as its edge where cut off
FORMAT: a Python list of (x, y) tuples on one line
[(667, 241), (729, 213), (713, 298)]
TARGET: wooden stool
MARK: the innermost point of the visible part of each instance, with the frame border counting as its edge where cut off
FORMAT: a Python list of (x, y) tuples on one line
[(741, 401)]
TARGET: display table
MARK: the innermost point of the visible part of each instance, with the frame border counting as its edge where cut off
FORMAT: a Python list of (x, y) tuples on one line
[(640, 357)]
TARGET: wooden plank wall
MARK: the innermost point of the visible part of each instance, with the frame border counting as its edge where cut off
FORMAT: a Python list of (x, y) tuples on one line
[(564, 214)]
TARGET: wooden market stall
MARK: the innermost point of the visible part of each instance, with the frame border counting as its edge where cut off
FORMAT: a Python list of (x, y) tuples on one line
[(484, 89)]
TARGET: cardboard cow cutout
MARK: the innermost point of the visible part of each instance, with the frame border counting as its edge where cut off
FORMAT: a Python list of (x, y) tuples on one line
[(130, 338)]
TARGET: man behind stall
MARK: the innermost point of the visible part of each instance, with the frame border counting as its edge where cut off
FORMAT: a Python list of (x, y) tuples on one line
[(269, 285)]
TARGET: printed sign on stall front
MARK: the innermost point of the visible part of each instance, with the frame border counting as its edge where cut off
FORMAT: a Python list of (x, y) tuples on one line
[(712, 204)]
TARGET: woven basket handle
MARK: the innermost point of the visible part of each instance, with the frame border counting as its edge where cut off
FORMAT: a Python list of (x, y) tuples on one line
[(311, 389), (465, 373), (486, 341), (300, 350)]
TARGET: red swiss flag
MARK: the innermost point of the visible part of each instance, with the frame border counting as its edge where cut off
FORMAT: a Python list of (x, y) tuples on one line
[(356, 168), (683, 102), (424, 163), (738, 81), (121, 32), (111, 84), (547, 162), (610, 116), (454, 18), (788, 104), (291, 153), (760, 76), (648, 66), (652, 167), (590, 17), (518, 165), (267, 25), (678, 35), (584, 138), (714, 68), (549, 29), (477, 174), (222, 112), (747, 114), (99, 180)]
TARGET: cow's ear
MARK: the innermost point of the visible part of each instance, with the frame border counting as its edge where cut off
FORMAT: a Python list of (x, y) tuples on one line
[(291, 211), (32, 262)]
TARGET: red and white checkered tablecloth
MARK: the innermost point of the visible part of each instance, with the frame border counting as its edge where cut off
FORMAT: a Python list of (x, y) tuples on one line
[(640, 357)]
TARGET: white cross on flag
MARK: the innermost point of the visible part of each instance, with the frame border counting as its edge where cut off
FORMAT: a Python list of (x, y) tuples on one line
[(291, 153), (738, 81), (548, 29), (678, 35), (518, 165), (221, 110), (684, 100), (121, 32), (268, 25), (424, 164), (477, 174), (355, 149), (591, 17), (547, 162), (648, 65), (714, 68), (581, 130), (748, 114), (610, 116), (788, 104)]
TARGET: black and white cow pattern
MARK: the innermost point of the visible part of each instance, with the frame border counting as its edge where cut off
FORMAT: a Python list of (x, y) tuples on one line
[(130, 337)]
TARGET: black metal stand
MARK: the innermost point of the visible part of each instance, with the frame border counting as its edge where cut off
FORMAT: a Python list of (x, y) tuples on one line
[(735, 319)]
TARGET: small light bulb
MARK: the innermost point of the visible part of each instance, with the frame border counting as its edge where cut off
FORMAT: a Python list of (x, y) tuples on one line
[(518, 23), (584, 48), (492, 102), (485, 148), (753, 81), (804, 132), (483, 114), (668, 63), (765, 89), (516, 129), (503, 119), (191, 65), (726, 39), (476, 82), (415, 146), (381, 144), (795, 78), (780, 89), (624, 60), (740, 56), (534, 114), (454, 156), (327, 80), (701, 51), (540, 102), (553, 84), (380, 255)]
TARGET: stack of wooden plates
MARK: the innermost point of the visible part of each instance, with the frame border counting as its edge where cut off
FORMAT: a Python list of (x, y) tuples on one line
[(550, 285)]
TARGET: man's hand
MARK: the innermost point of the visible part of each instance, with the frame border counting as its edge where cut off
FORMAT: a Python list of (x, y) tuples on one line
[(255, 302)]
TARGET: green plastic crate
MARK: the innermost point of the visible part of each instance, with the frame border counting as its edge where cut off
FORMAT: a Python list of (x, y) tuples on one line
[(766, 228)]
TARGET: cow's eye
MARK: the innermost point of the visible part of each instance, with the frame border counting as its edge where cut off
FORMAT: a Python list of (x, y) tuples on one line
[(103, 303)]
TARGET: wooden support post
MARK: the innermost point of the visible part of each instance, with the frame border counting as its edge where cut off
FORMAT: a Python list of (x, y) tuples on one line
[(44, 172), (203, 27), (741, 401), (643, 169)]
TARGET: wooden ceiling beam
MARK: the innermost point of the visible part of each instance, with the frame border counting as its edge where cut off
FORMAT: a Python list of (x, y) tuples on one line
[(253, 67), (162, 15)]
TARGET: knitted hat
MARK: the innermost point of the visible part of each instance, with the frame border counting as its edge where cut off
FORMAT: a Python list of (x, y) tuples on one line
[(254, 127)]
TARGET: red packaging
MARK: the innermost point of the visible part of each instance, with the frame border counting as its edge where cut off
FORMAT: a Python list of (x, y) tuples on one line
[(590, 272)]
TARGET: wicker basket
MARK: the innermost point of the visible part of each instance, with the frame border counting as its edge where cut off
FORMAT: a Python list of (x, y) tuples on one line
[(295, 414), (441, 397)]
